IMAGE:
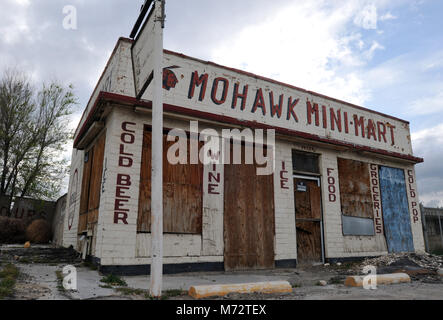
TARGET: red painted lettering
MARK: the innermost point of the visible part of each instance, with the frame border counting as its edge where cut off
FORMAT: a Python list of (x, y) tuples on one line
[(224, 92), (312, 110), (291, 106), (259, 102), (123, 180), (237, 96), (198, 81), (275, 108), (359, 122), (335, 119)]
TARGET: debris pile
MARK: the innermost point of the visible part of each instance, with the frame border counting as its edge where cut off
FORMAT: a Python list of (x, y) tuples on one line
[(43, 255), (425, 261), (419, 266)]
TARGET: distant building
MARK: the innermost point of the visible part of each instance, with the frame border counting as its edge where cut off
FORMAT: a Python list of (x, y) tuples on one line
[(433, 229), (58, 220)]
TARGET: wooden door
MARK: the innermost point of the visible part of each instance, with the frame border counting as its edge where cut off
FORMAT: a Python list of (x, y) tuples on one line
[(308, 217), (91, 185), (248, 218)]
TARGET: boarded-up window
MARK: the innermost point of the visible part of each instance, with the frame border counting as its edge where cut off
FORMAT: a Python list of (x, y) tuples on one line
[(305, 162), (91, 183), (355, 192), (182, 192)]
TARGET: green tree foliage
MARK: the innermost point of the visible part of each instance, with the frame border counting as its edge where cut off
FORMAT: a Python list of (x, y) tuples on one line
[(33, 135)]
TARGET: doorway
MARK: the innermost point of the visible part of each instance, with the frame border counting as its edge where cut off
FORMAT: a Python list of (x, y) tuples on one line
[(249, 227), (308, 219), (396, 218)]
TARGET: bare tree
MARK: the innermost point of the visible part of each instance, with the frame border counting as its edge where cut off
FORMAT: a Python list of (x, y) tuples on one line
[(33, 134)]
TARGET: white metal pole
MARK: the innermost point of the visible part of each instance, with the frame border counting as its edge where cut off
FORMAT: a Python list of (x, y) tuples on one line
[(157, 158)]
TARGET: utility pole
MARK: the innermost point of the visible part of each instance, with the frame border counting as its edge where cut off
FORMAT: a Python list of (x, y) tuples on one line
[(157, 155)]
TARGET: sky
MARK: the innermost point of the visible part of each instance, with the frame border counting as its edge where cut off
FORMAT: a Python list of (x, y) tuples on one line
[(386, 55)]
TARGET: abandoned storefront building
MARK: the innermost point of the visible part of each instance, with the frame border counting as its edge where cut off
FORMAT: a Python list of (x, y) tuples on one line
[(343, 186)]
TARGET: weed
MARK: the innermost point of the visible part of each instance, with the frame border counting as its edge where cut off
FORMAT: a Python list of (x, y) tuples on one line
[(9, 270), (336, 280), (114, 280), (130, 291), (8, 277), (25, 260), (172, 293), (166, 294), (60, 277), (106, 286)]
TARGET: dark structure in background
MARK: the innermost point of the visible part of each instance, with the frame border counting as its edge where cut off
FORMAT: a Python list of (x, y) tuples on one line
[(433, 229), (28, 210)]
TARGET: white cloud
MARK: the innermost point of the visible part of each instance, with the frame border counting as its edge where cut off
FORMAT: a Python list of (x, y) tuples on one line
[(387, 16), (367, 17), (369, 54), (427, 144), (428, 105), (435, 133), (306, 44), (14, 22), (23, 3)]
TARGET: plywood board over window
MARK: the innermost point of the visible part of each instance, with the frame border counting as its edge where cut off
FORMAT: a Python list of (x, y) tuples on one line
[(182, 192), (91, 184), (355, 191)]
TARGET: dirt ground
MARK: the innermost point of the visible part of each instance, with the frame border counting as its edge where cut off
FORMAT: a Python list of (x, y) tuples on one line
[(40, 279)]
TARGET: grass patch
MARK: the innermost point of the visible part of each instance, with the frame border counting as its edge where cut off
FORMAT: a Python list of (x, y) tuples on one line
[(106, 286), (167, 294), (25, 260), (296, 285), (8, 278), (172, 293), (336, 280), (114, 280), (9, 270), (130, 291), (60, 278)]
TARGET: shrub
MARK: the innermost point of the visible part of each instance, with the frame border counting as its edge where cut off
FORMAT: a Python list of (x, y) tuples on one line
[(12, 230), (39, 231)]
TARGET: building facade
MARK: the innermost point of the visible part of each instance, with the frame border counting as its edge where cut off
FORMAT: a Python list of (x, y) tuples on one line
[(343, 183)]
